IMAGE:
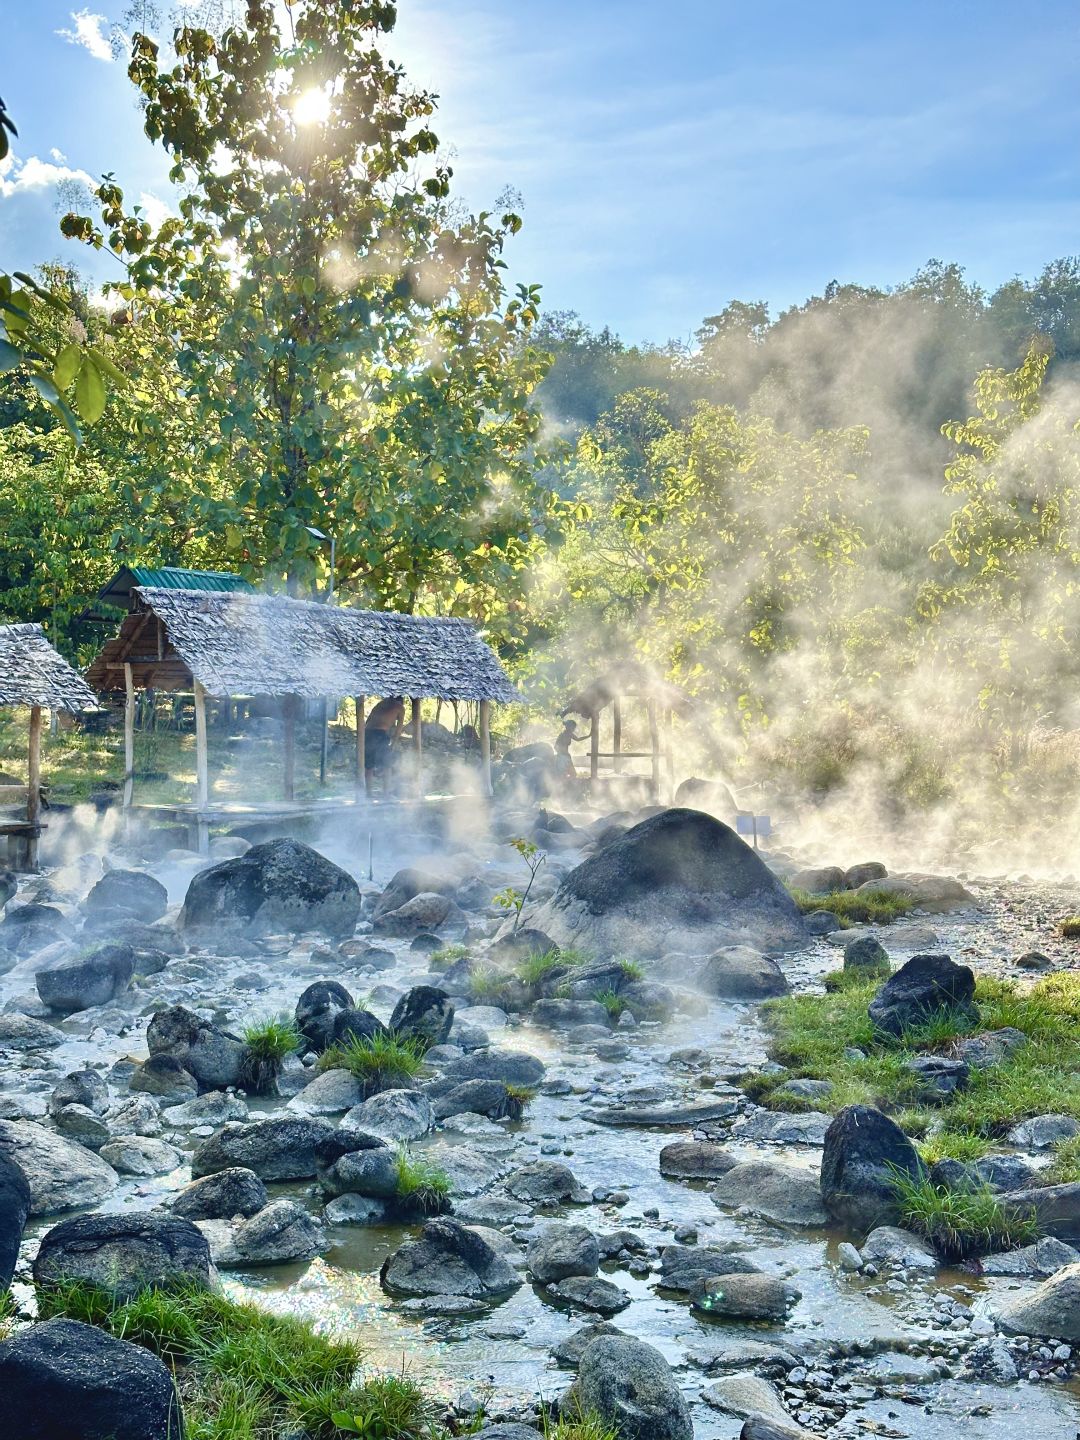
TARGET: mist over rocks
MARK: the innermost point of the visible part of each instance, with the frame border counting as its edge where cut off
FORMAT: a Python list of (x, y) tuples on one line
[(279, 885), (680, 880)]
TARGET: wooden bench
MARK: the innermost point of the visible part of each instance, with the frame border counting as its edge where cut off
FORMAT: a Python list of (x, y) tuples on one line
[(22, 843)]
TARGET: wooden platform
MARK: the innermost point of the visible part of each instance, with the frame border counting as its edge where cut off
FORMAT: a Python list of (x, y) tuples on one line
[(22, 844)]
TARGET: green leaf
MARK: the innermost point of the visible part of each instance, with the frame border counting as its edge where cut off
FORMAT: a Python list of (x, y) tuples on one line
[(108, 368), (67, 366), (9, 356), (90, 392)]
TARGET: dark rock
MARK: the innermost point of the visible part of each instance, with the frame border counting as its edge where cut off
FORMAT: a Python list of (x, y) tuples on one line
[(821, 922), (67, 1381), (480, 1097), (221, 1196), (425, 944), (1005, 1172), (352, 1163), (939, 1077), (565, 1014), (1054, 1208), (667, 884), (405, 885), (712, 796), (1051, 1310), (9, 885), (80, 1087), (82, 981), (739, 973), (448, 1259), (423, 1015), (921, 990), (276, 1149), (1033, 960), (516, 949), (990, 1048), (866, 954), (560, 1251), (130, 892), (822, 881), (863, 1149), (280, 885), (570, 1350), (590, 1292), (424, 912), (15, 1200), (511, 1067), (123, 1254), (545, 1182), (280, 1234), (211, 1055), (686, 1267), (351, 1025), (318, 1008), (745, 1297), (164, 1076), (632, 1389), (864, 874)]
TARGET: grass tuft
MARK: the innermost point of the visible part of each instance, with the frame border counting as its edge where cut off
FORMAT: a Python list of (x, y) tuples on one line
[(878, 907), (612, 1002), (518, 1100), (535, 969), (448, 955), (1064, 1169), (391, 1407), (579, 1425), (960, 1224), (423, 1188), (1069, 928), (379, 1062)]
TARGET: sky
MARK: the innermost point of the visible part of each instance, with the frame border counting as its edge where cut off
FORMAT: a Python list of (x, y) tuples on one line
[(669, 157)]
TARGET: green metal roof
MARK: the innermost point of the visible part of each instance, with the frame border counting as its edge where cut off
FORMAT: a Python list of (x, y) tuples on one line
[(170, 577)]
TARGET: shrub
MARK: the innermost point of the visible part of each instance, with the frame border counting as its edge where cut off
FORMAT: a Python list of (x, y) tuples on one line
[(267, 1044), (960, 1223), (379, 1062), (518, 1099)]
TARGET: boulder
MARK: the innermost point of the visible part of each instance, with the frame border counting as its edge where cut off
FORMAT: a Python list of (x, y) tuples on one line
[(712, 796), (866, 955), (393, 1115), (746, 1395), (745, 1297), (165, 1077), (590, 1292), (280, 885), (211, 1055), (545, 1182), (62, 1175), (318, 1008), (281, 1148), (1051, 1310), (68, 1381), (140, 1155), (423, 1015), (448, 1259), (686, 1267), (670, 883), (348, 1162), (560, 1251), (352, 1024), (520, 946), (213, 1108), (784, 1194), (82, 981), (934, 893), (739, 973), (1046, 1257), (1054, 1208), (511, 1067), (405, 885), (76, 1122), (939, 1078), (866, 874), (221, 1196), (123, 1254), (922, 989), (631, 1387), (130, 893), (890, 1246), (15, 1201), (80, 1087), (330, 1093), (281, 1233), (22, 1032), (424, 912), (1043, 1132), (863, 1148), (822, 881), (695, 1160)]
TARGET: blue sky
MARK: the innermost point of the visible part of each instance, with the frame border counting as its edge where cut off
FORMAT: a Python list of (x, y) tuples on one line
[(670, 157)]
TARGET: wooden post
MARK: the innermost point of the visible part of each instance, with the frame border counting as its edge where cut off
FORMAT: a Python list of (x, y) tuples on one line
[(202, 768), (594, 746), (33, 789), (616, 734), (485, 746), (288, 714), (654, 746), (129, 735), (361, 748), (669, 747), (418, 746)]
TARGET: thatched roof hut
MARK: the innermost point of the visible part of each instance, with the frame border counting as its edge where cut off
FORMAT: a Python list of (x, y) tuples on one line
[(33, 674), (250, 644)]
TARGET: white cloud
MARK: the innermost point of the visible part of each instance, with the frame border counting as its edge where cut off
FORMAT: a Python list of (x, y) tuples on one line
[(35, 174), (155, 210), (58, 155), (91, 32)]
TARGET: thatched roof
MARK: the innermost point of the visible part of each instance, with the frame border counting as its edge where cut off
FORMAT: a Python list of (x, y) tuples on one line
[(237, 644), (32, 673)]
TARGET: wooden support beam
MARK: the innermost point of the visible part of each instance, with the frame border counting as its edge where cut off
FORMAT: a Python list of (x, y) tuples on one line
[(288, 715), (202, 758), (485, 745), (616, 731), (418, 746), (33, 789), (594, 745), (654, 746), (361, 747), (129, 735), (669, 752)]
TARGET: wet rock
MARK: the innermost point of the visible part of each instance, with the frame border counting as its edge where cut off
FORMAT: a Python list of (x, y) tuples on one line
[(866, 955), (351, 1163), (128, 892), (352, 1024), (280, 1234), (1043, 1132), (480, 1097), (280, 885), (123, 1254), (211, 1055), (164, 1076), (448, 1259), (15, 1201), (545, 1182), (822, 881), (632, 1389), (140, 1155), (424, 912), (510, 1067), (82, 981), (745, 1297), (781, 1193), (350, 1209), (560, 1251), (889, 1246), (778, 1127), (745, 1395), (276, 1149), (21, 1032), (993, 1360), (524, 944), (590, 1293), (1046, 1257), (1052, 1309), (213, 1108), (423, 1015), (686, 1267), (739, 973), (648, 1000), (821, 922), (76, 1122), (865, 874), (862, 1150), (221, 1196), (80, 1087), (666, 885), (921, 989), (316, 1010), (331, 1093), (69, 1381), (563, 1014), (695, 1160), (569, 1350), (684, 1115), (1054, 1208), (393, 1115), (405, 885), (61, 1174)]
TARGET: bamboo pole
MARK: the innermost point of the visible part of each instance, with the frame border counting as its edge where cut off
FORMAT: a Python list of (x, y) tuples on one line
[(129, 735), (361, 747), (202, 758), (289, 718), (616, 734), (418, 746), (669, 746), (33, 789), (485, 745), (654, 746)]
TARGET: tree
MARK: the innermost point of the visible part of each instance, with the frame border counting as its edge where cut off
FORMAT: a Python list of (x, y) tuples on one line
[(340, 335)]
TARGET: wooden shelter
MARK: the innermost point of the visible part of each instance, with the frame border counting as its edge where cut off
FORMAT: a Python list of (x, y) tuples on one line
[(223, 644), (630, 680), (33, 675)]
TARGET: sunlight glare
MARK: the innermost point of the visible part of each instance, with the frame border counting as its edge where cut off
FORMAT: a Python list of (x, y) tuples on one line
[(312, 108)]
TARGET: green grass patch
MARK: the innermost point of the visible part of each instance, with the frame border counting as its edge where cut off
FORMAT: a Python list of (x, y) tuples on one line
[(448, 955), (488, 985), (879, 907), (272, 1039), (423, 1188), (612, 1002), (391, 1407), (518, 1100), (810, 1034), (1069, 928), (951, 1145), (631, 970), (535, 969), (1064, 1169), (960, 1223), (379, 1062), (579, 1425)]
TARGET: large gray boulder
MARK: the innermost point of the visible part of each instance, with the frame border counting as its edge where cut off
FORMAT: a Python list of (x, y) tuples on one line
[(63, 1380), (91, 978), (448, 1258), (922, 989), (862, 1153), (221, 1196), (14, 1208), (282, 1148), (1051, 1310), (560, 1251), (211, 1056), (785, 1194), (128, 893), (680, 880), (737, 972), (61, 1174), (281, 885), (123, 1254), (631, 1387), (424, 1016)]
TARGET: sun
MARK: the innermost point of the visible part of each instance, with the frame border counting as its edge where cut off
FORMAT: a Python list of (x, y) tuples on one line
[(312, 107)]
